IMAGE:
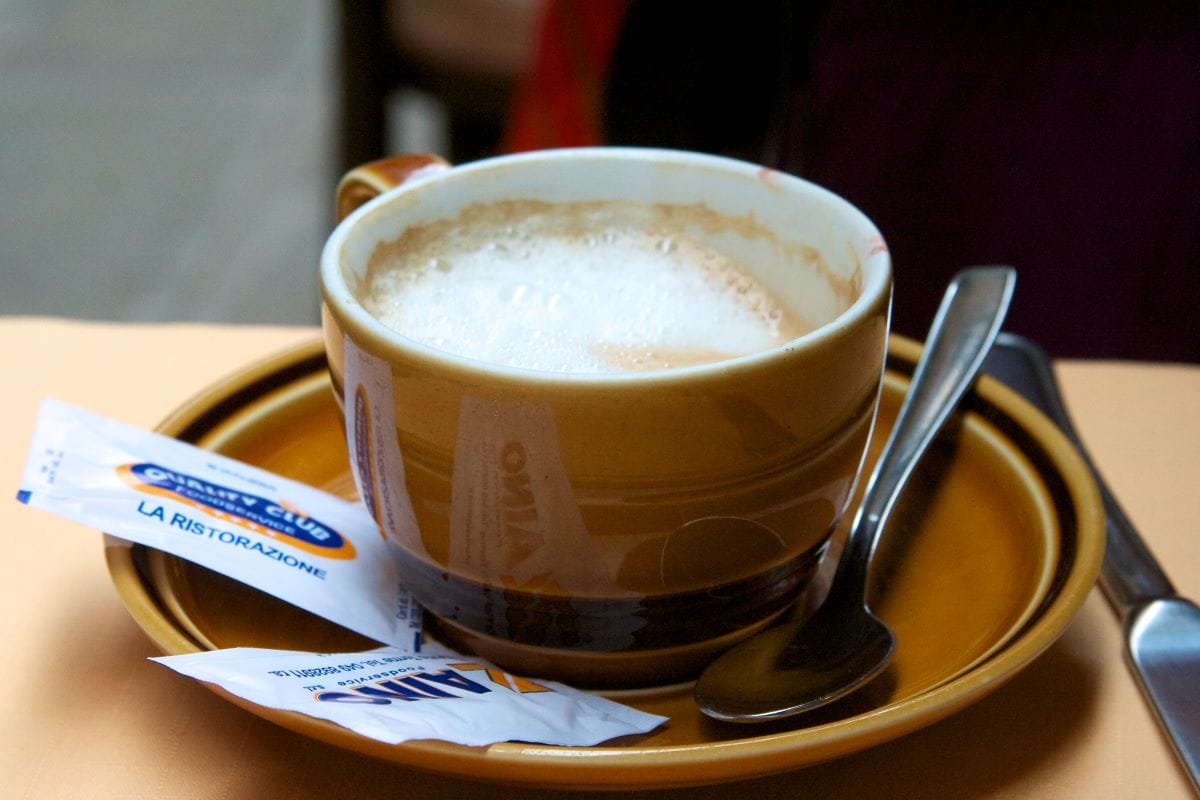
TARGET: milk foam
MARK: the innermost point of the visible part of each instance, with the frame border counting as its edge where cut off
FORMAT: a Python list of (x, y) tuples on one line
[(573, 288)]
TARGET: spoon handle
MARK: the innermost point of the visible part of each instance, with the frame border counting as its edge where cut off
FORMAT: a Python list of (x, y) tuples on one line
[(966, 324)]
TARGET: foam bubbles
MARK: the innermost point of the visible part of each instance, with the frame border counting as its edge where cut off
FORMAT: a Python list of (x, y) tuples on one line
[(538, 294)]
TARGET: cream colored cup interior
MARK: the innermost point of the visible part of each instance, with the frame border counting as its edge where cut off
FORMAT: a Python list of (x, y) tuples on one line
[(815, 251)]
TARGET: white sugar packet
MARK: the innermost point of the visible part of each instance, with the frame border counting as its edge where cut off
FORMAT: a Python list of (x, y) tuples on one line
[(290, 540), (393, 696)]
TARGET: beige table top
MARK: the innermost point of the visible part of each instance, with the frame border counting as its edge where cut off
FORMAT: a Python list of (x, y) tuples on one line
[(84, 714)]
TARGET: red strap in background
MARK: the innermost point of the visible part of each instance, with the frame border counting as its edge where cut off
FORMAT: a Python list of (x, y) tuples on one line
[(559, 102)]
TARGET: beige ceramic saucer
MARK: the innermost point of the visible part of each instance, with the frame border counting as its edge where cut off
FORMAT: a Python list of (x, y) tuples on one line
[(976, 582)]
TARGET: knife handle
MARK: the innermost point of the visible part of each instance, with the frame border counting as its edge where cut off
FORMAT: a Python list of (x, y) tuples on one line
[(1130, 576)]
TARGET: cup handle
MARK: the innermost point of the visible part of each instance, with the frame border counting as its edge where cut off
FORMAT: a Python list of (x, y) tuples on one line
[(372, 179)]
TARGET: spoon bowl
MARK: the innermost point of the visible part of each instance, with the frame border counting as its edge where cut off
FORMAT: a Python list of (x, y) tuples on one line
[(805, 664), (781, 674)]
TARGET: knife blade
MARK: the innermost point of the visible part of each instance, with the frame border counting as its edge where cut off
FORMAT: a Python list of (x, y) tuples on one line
[(1162, 629)]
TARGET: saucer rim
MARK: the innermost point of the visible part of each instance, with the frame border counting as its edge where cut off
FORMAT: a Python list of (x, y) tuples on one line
[(675, 765)]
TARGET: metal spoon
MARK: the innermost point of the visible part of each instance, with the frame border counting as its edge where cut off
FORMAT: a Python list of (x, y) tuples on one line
[(796, 667)]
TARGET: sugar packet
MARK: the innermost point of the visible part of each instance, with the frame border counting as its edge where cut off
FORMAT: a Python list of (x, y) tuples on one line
[(315, 551), (304, 546), (393, 696)]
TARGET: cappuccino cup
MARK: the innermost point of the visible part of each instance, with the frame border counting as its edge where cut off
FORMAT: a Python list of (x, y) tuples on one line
[(608, 404)]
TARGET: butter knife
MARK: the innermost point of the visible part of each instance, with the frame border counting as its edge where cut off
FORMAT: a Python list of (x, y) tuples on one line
[(1162, 629)]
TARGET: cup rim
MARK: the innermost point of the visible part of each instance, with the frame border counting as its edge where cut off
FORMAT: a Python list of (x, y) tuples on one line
[(875, 267)]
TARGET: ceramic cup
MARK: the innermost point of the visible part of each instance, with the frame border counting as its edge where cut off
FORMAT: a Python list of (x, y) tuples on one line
[(611, 529)]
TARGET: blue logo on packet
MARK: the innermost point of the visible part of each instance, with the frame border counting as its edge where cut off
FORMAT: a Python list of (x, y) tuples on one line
[(259, 514)]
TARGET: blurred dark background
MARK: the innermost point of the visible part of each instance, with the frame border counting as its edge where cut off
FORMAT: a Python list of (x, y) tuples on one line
[(174, 161)]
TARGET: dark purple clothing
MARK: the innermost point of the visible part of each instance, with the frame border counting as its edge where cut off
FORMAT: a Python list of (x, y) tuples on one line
[(1060, 138), (1065, 144)]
